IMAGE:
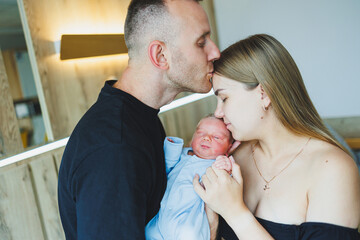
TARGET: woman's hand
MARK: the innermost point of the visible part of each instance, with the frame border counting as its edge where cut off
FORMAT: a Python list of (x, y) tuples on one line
[(224, 194), (221, 192)]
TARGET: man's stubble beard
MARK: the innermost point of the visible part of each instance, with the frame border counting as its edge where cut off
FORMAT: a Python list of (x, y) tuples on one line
[(187, 77)]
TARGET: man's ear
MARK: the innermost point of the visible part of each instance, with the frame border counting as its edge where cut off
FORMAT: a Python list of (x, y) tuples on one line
[(264, 97), (233, 147), (156, 52)]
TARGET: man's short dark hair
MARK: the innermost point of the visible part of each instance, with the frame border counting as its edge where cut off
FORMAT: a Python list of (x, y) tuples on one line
[(147, 20)]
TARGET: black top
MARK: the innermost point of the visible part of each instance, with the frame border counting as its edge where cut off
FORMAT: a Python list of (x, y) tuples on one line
[(112, 176), (304, 231)]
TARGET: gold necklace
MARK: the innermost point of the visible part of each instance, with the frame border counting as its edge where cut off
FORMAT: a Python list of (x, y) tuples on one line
[(267, 182)]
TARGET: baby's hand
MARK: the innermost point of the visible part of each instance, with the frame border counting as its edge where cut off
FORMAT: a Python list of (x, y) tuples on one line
[(224, 163)]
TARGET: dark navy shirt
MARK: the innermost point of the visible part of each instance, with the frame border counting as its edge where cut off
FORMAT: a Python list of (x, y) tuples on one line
[(112, 176), (304, 231)]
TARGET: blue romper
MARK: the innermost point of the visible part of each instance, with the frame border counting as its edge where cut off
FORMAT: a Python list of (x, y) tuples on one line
[(182, 212)]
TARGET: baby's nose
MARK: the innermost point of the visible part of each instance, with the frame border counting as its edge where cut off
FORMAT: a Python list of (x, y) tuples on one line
[(207, 138)]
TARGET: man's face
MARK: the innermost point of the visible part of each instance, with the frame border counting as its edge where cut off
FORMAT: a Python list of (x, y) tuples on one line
[(211, 138), (192, 52)]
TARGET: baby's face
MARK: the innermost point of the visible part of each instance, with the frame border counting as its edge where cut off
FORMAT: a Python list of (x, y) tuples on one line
[(211, 138)]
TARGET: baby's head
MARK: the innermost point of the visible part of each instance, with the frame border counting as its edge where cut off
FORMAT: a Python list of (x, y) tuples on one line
[(211, 138)]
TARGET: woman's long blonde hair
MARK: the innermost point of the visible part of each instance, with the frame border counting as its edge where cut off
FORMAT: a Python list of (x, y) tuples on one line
[(261, 59)]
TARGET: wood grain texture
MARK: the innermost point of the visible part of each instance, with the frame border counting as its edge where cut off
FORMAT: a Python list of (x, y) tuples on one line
[(38, 175), (12, 74), (10, 139), (58, 153), (71, 87), (45, 182), (19, 218)]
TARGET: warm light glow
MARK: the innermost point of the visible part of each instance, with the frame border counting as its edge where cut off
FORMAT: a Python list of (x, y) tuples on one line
[(75, 17), (89, 27), (97, 59)]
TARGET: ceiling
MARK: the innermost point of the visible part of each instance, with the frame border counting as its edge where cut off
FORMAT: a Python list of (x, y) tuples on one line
[(11, 33)]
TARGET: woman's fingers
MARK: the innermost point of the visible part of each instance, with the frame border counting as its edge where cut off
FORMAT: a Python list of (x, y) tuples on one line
[(236, 172), (232, 159), (198, 188), (210, 174), (219, 173)]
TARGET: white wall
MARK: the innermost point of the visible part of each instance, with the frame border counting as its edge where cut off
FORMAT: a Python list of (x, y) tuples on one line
[(323, 37)]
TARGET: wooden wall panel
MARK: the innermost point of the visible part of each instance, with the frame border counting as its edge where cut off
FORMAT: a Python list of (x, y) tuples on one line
[(10, 139), (18, 210), (58, 153), (71, 87), (45, 181), (31, 185), (12, 74)]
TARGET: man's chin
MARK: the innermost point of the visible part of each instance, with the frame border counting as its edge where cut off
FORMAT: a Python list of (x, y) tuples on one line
[(206, 88)]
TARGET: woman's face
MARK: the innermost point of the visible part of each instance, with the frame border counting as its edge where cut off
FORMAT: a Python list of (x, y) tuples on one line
[(240, 108)]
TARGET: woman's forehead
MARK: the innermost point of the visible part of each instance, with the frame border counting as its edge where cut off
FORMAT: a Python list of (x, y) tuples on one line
[(221, 83)]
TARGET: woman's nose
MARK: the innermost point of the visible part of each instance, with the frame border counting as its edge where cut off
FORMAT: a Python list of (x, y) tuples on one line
[(218, 112)]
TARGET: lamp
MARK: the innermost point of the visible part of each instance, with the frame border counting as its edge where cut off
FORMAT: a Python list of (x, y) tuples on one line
[(91, 45)]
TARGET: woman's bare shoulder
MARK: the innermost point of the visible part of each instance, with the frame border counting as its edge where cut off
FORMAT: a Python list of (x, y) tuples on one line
[(327, 158), (334, 193)]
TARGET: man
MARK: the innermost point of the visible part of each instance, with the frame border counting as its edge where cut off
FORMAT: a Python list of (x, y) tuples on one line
[(112, 176)]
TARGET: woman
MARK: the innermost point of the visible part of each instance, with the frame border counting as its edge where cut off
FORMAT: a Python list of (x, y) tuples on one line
[(296, 181)]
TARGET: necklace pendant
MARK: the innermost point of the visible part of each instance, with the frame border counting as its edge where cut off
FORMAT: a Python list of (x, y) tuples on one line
[(266, 187)]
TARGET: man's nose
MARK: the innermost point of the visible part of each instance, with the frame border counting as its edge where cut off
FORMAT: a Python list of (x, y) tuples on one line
[(214, 52)]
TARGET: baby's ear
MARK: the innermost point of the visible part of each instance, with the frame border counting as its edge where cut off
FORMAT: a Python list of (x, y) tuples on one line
[(233, 147)]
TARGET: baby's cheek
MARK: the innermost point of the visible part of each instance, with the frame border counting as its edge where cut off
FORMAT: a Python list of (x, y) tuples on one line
[(222, 149)]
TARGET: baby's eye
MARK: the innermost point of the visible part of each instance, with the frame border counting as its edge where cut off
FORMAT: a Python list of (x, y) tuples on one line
[(216, 137)]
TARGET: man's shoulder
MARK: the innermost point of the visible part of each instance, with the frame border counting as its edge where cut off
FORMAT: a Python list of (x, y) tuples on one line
[(106, 123)]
